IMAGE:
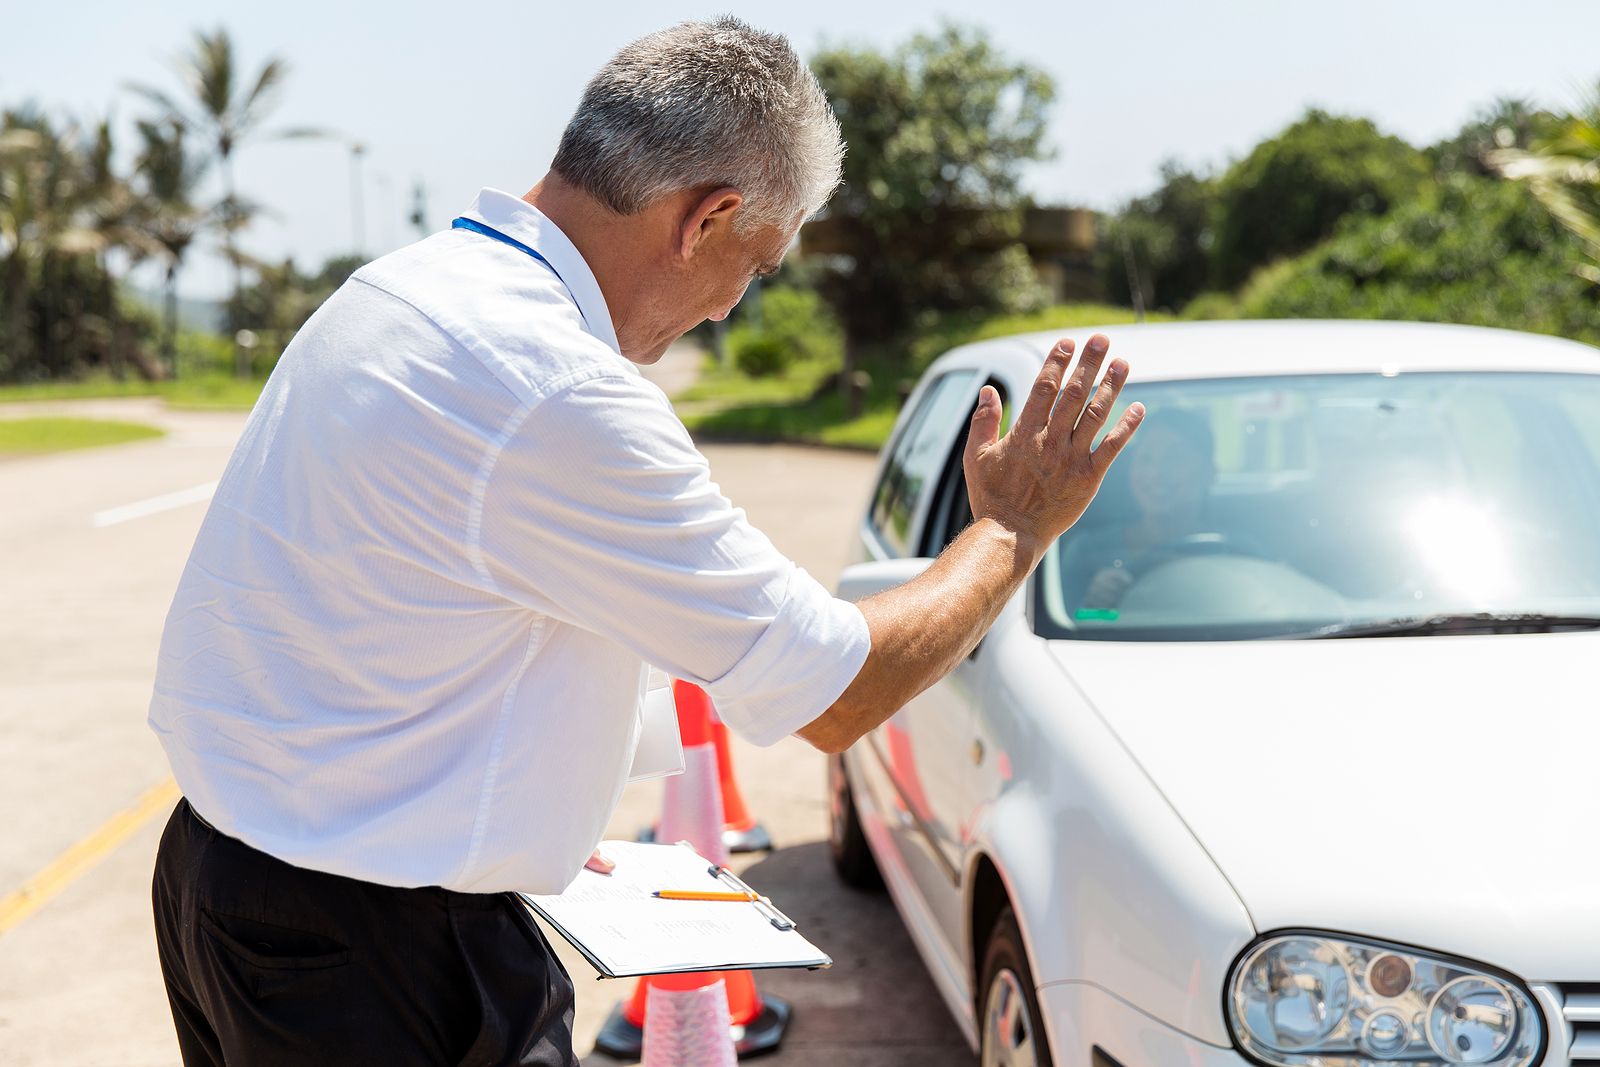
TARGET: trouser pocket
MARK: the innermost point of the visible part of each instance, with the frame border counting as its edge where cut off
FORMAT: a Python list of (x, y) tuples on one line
[(269, 959)]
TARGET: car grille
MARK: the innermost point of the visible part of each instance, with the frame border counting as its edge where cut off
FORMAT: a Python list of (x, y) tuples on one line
[(1580, 1005), (1581, 1009)]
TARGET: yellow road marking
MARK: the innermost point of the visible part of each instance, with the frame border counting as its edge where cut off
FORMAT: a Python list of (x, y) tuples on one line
[(65, 868)]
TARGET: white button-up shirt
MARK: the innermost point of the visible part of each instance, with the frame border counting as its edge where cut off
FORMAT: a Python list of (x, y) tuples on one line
[(410, 643)]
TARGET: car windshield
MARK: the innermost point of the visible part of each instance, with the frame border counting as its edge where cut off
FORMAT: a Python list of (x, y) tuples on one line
[(1323, 505)]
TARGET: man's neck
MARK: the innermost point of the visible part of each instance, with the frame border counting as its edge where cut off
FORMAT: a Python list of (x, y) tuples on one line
[(601, 236)]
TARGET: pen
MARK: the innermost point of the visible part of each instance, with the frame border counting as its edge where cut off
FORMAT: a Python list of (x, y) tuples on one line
[(685, 894)]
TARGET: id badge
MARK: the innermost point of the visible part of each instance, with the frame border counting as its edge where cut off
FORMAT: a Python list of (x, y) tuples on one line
[(659, 753)]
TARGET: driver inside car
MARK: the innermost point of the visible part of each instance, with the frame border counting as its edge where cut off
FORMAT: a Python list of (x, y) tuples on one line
[(1170, 473)]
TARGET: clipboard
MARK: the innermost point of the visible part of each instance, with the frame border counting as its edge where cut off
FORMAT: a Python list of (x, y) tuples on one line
[(624, 931)]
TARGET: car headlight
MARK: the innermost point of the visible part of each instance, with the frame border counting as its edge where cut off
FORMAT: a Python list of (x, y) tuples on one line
[(1307, 999)]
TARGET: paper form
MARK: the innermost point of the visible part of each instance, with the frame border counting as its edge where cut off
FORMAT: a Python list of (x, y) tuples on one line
[(623, 930)]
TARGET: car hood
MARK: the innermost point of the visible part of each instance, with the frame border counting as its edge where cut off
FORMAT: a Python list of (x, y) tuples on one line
[(1438, 791)]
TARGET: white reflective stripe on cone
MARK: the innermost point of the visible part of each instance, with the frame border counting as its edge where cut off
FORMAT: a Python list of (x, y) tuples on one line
[(688, 1028), (691, 805)]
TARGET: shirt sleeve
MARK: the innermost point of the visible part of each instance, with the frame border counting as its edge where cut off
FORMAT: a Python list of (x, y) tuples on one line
[(600, 512)]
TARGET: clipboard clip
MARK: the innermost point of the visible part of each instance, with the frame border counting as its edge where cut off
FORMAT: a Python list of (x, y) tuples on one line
[(762, 904)]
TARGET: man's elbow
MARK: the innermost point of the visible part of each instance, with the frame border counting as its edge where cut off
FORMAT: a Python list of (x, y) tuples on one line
[(831, 732), (830, 745)]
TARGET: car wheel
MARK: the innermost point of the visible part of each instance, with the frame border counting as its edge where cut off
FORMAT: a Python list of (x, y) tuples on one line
[(1011, 1031), (852, 859)]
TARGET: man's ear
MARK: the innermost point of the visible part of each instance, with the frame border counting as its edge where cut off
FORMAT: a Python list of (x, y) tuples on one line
[(706, 217)]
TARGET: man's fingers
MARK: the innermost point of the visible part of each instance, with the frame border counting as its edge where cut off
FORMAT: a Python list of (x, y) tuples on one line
[(599, 863), (1118, 438), (1076, 391), (985, 422), (1099, 409), (1046, 387)]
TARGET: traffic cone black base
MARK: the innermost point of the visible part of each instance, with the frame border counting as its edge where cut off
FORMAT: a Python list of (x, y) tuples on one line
[(765, 1032), (755, 839), (623, 1040)]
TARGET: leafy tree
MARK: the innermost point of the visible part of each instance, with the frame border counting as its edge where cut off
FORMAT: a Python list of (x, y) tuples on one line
[(228, 109), (938, 131), (1474, 250), (61, 210), (1291, 190), (166, 179), (1509, 122), (1161, 242), (1563, 170)]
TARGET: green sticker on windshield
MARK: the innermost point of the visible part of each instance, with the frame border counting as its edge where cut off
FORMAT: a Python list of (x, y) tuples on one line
[(1095, 615)]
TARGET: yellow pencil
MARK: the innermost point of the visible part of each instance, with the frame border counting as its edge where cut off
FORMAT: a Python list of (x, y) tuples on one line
[(686, 894)]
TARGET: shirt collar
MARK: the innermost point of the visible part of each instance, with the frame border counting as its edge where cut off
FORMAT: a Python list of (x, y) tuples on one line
[(517, 218)]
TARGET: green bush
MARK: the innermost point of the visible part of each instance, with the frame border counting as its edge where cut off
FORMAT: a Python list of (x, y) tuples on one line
[(756, 353), (1473, 250), (795, 326), (1210, 307)]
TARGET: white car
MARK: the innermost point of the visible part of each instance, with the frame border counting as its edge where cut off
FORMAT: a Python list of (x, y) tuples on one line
[(1289, 751)]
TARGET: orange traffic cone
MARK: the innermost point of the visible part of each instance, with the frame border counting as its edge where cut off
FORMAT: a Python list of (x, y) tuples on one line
[(691, 810), (740, 831)]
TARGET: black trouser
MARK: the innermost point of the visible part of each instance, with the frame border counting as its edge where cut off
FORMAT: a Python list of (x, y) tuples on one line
[(267, 963)]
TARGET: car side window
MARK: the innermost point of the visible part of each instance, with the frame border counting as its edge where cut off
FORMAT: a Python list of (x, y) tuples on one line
[(918, 457), (952, 510)]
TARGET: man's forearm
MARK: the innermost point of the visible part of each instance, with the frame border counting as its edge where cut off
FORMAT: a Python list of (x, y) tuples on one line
[(921, 630)]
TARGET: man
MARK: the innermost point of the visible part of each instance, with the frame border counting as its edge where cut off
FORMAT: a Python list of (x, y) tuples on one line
[(402, 671)]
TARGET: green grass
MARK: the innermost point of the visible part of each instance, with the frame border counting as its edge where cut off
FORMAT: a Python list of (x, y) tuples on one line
[(722, 387), (86, 389), (213, 392), (727, 405), (210, 391), (35, 436)]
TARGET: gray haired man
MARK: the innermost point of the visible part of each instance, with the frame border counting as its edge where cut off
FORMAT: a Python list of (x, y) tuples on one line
[(402, 672)]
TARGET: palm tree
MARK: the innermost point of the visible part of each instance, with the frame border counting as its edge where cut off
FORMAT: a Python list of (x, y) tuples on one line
[(61, 209), (167, 177), (228, 109), (1562, 169)]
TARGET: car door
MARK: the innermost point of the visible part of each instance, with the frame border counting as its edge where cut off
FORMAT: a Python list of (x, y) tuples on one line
[(925, 749)]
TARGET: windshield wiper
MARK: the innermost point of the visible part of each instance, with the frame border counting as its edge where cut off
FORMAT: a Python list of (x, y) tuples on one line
[(1483, 622)]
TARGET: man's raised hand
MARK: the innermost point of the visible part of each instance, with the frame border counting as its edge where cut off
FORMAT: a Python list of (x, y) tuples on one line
[(1038, 480)]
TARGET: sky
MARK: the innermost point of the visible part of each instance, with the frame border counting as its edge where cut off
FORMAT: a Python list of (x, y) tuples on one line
[(459, 96)]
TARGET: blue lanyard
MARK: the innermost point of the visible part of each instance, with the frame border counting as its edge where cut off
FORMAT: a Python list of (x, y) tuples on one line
[(489, 231)]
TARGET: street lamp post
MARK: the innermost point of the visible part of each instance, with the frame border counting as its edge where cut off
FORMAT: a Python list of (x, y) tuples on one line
[(357, 208)]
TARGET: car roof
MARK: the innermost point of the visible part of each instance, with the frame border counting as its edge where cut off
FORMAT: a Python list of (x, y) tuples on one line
[(1168, 351)]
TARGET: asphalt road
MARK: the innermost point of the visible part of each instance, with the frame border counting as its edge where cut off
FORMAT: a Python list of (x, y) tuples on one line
[(91, 545)]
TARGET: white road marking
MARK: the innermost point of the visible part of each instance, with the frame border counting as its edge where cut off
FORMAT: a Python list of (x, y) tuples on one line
[(154, 505)]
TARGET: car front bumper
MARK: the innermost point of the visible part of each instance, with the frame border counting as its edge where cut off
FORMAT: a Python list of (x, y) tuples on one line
[(1081, 1018)]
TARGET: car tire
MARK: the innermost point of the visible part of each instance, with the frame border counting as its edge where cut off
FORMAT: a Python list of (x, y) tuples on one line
[(852, 858), (1010, 1027)]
